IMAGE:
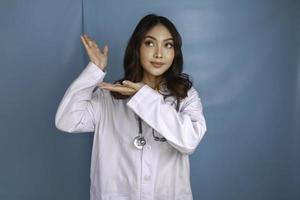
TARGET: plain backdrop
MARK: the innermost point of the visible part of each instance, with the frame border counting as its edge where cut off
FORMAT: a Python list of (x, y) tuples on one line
[(243, 57)]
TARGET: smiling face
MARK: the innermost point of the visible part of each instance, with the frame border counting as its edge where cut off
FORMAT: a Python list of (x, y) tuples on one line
[(156, 53)]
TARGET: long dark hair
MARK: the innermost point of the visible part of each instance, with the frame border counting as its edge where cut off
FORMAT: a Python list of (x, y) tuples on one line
[(177, 83)]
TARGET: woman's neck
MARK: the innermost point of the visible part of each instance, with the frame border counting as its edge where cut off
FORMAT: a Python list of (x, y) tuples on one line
[(152, 81)]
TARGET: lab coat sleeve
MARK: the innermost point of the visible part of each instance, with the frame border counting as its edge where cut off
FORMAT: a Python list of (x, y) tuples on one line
[(184, 129), (77, 109)]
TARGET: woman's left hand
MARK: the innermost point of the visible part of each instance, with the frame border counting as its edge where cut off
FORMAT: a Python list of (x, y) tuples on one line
[(128, 88)]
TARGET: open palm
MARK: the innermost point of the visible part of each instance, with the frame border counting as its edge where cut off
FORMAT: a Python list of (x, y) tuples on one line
[(128, 87), (97, 56)]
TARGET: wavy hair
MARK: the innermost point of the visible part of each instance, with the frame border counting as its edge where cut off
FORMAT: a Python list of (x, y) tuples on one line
[(177, 83)]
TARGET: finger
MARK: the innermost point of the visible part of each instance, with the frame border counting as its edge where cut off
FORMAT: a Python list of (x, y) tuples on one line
[(84, 42), (109, 85), (88, 40), (118, 88), (105, 50), (124, 90), (91, 41), (104, 84), (87, 37), (130, 84), (94, 44)]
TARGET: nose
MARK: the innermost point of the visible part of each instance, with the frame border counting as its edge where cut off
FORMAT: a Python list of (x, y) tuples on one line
[(158, 52)]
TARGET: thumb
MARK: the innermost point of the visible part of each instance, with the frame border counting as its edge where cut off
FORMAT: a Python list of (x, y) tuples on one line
[(131, 84), (105, 50)]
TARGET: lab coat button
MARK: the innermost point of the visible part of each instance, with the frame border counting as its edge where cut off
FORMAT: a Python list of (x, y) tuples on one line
[(147, 178)]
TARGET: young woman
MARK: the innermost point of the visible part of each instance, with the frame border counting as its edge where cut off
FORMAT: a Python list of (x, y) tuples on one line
[(145, 125)]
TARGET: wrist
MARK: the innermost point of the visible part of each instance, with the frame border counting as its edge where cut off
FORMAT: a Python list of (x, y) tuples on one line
[(100, 66)]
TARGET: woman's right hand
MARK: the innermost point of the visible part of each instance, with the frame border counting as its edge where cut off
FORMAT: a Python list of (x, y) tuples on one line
[(96, 56)]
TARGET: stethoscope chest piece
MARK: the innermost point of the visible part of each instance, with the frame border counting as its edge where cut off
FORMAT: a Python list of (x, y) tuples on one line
[(139, 141)]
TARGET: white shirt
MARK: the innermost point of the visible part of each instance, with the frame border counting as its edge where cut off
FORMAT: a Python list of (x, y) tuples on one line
[(119, 171)]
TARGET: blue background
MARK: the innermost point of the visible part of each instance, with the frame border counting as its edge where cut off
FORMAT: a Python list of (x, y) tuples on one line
[(244, 60)]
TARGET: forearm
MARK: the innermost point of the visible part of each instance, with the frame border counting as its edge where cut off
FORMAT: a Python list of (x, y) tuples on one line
[(183, 130), (75, 112)]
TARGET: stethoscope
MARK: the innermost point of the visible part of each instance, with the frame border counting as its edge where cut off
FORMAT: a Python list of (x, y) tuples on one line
[(139, 141)]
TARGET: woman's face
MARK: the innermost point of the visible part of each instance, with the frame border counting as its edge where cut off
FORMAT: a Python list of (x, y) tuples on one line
[(157, 51)]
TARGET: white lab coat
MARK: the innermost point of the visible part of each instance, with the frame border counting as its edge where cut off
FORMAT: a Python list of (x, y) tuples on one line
[(119, 171)]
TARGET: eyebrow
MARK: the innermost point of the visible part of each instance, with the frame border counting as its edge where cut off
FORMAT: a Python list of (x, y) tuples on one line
[(148, 36)]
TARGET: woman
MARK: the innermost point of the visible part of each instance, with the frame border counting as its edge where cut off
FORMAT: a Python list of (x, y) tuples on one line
[(145, 125)]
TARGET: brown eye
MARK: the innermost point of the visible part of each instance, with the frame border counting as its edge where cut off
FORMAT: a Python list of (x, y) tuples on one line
[(169, 45), (149, 43)]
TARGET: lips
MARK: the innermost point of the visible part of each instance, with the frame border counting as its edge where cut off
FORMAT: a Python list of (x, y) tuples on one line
[(157, 64)]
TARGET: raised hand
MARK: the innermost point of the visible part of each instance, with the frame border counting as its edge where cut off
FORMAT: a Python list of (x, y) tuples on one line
[(96, 56)]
